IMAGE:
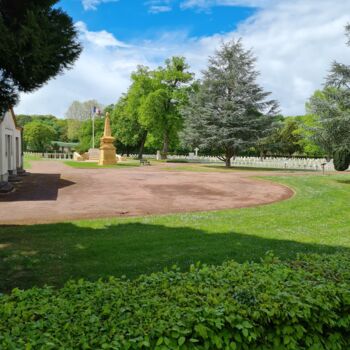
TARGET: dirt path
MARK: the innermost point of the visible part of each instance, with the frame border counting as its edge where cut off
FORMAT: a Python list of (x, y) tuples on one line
[(54, 192)]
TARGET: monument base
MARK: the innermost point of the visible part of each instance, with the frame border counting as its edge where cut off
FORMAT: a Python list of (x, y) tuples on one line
[(107, 158), (107, 153)]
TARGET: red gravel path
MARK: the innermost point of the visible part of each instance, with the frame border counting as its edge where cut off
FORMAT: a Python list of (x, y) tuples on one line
[(54, 192)]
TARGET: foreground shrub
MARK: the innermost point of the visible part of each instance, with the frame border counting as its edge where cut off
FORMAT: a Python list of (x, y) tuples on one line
[(304, 304)]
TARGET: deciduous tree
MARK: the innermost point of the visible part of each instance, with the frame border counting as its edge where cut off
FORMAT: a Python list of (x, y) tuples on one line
[(160, 111), (38, 136)]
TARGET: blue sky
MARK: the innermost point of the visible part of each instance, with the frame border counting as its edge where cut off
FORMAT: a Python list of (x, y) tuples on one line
[(294, 41), (132, 20)]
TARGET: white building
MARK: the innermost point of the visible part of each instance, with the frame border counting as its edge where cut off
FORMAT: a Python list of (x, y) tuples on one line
[(10, 146)]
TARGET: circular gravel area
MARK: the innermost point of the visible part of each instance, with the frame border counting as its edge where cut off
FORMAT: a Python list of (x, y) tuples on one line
[(55, 192)]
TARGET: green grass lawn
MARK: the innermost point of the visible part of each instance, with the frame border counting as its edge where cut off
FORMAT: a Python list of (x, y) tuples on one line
[(27, 159), (316, 219), (221, 168), (93, 165)]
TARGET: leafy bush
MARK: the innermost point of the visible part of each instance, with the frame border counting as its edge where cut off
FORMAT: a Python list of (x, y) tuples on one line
[(304, 304), (341, 159), (177, 161)]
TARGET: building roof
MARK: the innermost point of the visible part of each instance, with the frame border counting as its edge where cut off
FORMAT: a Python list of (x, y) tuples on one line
[(2, 116), (65, 144)]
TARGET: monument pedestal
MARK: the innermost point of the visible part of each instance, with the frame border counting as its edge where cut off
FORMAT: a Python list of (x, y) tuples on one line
[(107, 150)]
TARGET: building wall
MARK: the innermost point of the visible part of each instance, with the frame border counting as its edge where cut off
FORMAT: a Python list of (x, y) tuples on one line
[(10, 146)]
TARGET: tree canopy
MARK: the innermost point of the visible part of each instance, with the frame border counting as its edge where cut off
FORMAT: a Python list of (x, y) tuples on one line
[(151, 107), (38, 136), (332, 107), (38, 41), (230, 112)]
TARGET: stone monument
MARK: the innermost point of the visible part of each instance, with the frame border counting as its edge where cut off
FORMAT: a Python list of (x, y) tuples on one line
[(107, 150)]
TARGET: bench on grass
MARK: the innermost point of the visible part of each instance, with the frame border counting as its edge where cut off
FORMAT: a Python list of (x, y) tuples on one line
[(144, 162)]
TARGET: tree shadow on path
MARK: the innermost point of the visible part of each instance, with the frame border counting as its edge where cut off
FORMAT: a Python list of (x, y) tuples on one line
[(37, 187)]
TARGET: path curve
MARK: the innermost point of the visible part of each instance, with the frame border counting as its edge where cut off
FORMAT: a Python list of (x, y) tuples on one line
[(54, 192)]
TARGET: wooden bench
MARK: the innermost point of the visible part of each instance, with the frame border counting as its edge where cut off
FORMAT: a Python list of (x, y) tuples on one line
[(144, 162)]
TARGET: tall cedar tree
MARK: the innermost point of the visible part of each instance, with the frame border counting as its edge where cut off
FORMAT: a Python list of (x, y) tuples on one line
[(37, 42), (332, 106), (230, 112)]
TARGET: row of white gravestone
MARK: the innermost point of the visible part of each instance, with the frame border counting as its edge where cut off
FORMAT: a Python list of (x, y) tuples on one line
[(257, 162)]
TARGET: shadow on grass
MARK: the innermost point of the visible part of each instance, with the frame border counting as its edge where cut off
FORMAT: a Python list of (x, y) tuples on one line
[(52, 254), (345, 182), (233, 167), (93, 165)]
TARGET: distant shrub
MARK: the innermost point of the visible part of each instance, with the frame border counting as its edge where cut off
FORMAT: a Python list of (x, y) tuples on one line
[(341, 159), (304, 304), (177, 161)]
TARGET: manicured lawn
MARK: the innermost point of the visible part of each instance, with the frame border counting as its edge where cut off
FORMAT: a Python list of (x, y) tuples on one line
[(221, 168), (93, 165), (27, 161), (316, 219)]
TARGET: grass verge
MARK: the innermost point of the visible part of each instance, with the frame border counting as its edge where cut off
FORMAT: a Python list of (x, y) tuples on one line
[(93, 165), (27, 159), (315, 220)]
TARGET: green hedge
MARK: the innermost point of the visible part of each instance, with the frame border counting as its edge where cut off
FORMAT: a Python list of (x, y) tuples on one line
[(304, 304)]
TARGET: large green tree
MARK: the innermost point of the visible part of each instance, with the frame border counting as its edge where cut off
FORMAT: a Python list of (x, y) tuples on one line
[(85, 134), (38, 41), (126, 116), (58, 125), (305, 131), (38, 136), (150, 108), (332, 106), (160, 110), (230, 112)]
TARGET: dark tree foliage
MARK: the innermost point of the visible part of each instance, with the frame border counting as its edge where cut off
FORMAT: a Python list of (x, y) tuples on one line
[(230, 112), (341, 159), (38, 41), (340, 73)]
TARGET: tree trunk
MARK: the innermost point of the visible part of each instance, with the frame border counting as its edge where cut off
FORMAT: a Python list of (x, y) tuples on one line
[(164, 154), (228, 155), (142, 146)]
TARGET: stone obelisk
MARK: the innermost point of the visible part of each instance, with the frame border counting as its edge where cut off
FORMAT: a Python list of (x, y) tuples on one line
[(107, 150)]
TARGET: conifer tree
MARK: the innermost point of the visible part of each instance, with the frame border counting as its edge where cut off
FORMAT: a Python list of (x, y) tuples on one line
[(230, 112)]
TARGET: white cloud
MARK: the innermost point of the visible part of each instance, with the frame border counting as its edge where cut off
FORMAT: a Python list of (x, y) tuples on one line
[(101, 38), (159, 6), (92, 4), (295, 42), (206, 4), (159, 9)]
